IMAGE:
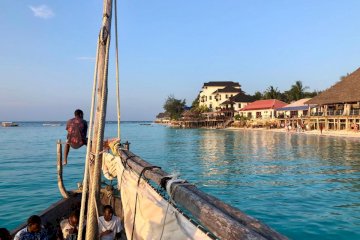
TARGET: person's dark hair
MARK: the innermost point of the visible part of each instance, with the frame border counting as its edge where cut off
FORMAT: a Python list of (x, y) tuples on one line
[(108, 207), (34, 219), (75, 213), (4, 234), (78, 113)]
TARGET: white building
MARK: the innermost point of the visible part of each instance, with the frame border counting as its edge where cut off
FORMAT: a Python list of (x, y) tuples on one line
[(213, 94)]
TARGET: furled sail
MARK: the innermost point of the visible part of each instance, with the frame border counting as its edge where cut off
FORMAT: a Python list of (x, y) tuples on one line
[(147, 215)]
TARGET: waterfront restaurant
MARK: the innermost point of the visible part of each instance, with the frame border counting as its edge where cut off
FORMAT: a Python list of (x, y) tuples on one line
[(264, 109), (339, 105), (296, 109)]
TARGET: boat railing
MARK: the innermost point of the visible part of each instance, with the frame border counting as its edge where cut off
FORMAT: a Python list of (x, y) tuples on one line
[(221, 219)]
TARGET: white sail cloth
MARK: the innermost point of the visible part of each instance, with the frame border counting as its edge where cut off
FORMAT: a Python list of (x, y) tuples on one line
[(155, 217)]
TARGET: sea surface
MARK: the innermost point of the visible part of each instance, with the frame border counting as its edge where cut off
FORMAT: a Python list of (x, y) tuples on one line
[(306, 187)]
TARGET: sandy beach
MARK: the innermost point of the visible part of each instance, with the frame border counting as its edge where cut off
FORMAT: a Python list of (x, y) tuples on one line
[(330, 133)]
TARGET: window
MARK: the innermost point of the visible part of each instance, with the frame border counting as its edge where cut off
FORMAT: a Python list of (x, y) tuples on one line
[(239, 105), (210, 98), (226, 96), (210, 106)]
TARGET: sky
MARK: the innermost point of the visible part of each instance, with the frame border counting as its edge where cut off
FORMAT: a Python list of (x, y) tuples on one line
[(47, 51)]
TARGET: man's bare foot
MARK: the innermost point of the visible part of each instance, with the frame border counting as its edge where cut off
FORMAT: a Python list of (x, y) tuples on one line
[(65, 162)]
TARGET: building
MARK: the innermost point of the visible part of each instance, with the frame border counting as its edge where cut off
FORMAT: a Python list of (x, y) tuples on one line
[(264, 109), (296, 109), (342, 99), (213, 94), (237, 102)]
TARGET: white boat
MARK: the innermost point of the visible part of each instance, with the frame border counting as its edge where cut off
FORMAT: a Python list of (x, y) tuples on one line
[(9, 124)]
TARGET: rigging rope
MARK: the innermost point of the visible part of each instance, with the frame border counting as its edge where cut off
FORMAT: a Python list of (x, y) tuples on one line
[(88, 150), (92, 222), (103, 39), (117, 72)]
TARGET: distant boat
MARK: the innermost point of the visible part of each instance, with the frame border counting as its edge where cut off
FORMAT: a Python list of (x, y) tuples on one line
[(9, 124), (147, 124)]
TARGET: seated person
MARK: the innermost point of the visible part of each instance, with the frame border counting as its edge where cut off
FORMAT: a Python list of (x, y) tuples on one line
[(33, 230), (4, 234), (109, 225), (69, 227)]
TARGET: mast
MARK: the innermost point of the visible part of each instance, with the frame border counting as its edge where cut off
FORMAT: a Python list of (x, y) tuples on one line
[(99, 121)]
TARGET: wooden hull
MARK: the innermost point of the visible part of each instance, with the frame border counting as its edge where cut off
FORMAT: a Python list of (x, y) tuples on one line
[(52, 216)]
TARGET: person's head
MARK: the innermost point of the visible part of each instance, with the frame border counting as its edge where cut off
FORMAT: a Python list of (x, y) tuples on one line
[(74, 218), (79, 113), (108, 212), (34, 224), (4, 234)]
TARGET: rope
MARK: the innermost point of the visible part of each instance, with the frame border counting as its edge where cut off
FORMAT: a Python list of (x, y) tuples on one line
[(92, 228), (86, 171), (137, 193), (117, 72)]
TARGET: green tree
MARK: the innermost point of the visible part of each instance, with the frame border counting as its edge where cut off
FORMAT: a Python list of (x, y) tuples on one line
[(174, 107), (297, 91), (196, 102), (272, 93), (257, 95), (311, 94)]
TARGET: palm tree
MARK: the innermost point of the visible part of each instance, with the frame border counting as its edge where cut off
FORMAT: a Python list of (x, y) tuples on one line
[(297, 91), (272, 93)]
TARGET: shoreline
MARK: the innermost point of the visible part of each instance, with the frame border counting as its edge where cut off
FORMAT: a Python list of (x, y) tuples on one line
[(327, 133)]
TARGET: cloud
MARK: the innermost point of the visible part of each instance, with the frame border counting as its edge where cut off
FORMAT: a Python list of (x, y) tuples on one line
[(42, 11), (86, 58)]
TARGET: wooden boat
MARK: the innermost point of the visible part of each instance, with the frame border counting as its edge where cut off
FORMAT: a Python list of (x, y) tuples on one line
[(150, 202), (9, 124)]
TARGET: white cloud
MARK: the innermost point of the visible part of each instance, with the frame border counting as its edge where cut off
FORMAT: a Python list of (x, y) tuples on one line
[(42, 11), (86, 58)]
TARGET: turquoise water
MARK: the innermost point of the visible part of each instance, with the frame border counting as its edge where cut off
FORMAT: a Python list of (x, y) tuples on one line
[(306, 187)]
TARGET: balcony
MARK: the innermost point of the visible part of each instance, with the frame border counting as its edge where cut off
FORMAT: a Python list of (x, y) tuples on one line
[(354, 112)]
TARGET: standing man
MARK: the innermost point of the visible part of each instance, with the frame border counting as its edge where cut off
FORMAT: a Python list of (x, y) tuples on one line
[(76, 136)]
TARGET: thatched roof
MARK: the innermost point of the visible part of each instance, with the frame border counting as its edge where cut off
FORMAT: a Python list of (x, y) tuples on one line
[(188, 113), (163, 115), (347, 90)]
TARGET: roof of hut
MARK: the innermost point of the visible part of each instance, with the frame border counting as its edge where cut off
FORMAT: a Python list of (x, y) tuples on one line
[(347, 90), (188, 113), (163, 115), (264, 104)]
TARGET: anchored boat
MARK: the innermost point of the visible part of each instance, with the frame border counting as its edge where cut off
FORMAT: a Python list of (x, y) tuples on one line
[(151, 203), (9, 124)]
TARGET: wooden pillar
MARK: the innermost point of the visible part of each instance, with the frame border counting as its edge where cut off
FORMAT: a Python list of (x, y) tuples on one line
[(326, 124), (317, 123)]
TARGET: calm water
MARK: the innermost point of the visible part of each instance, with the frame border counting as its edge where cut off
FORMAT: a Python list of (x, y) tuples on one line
[(306, 187)]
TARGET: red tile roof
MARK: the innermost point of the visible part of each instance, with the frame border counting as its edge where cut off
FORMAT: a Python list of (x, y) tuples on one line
[(264, 104)]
